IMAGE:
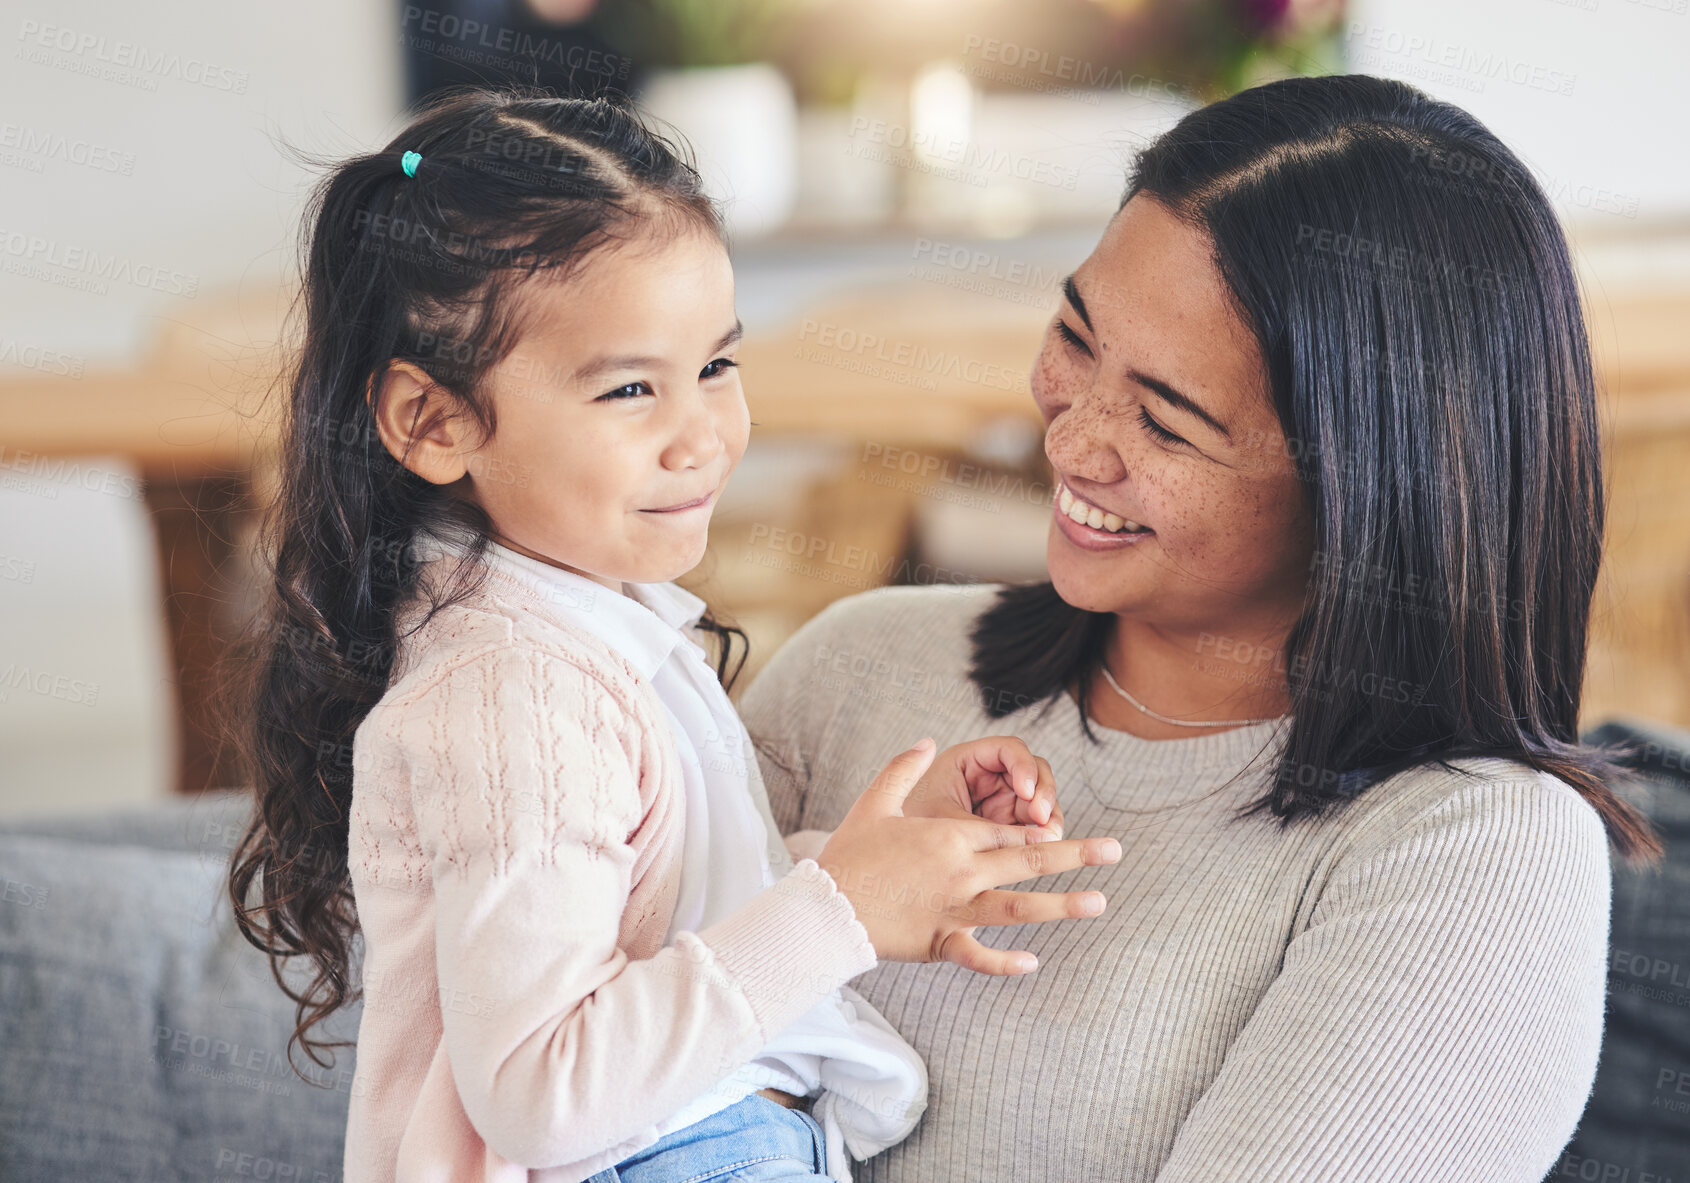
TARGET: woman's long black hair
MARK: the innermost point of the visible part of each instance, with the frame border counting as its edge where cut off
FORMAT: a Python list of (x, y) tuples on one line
[(1410, 289), (511, 187)]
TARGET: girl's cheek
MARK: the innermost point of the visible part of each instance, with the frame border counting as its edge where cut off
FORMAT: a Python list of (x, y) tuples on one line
[(741, 429)]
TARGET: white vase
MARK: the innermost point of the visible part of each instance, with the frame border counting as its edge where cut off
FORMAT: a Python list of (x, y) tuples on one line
[(742, 123)]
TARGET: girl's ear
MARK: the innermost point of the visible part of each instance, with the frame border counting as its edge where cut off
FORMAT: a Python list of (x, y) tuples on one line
[(421, 425)]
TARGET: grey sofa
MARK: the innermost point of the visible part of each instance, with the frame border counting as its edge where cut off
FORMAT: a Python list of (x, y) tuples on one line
[(142, 1039)]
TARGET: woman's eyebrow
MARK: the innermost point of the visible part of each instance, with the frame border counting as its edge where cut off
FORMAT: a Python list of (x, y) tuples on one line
[(1155, 385), (1073, 294), (1174, 398)]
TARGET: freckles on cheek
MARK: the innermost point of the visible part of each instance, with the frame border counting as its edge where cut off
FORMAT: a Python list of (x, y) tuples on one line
[(1244, 529), (1209, 518), (1052, 379), (1174, 503), (1271, 507)]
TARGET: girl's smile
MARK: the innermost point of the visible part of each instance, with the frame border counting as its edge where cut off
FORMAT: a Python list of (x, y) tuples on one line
[(704, 502)]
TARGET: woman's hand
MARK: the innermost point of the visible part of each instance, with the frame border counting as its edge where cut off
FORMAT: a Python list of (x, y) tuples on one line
[(997, 778), (921, 885)]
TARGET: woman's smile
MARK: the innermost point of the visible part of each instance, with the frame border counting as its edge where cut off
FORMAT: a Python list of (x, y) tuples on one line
[(1092, 528)]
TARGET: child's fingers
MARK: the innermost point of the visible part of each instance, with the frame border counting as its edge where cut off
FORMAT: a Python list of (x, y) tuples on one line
[(1034, 907), (1007, 809), (1023, 816), (1010, 758), (961, 947), (1003, 805), (886, 795), (1042, 808), (1015, 861)]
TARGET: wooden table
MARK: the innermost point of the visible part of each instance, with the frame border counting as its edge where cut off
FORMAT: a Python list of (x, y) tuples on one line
[(191, 416)]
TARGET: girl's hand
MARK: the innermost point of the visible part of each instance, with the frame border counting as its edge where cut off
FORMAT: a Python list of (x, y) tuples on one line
[(921, 885), (997, 778)]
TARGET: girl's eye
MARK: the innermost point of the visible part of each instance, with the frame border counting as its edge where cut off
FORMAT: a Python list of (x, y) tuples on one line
[(717, 368), (1156, 429), (632, 390), (1071, 337)]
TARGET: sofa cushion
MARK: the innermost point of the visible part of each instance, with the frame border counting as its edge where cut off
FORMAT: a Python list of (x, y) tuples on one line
[(1637, 1124), (141, 1036), (209, 823)]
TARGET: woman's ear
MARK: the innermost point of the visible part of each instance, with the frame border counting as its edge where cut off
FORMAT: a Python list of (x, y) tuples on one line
[(422, 425)]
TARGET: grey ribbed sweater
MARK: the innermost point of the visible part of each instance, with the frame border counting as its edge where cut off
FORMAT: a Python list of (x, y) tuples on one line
[(1410, 991)]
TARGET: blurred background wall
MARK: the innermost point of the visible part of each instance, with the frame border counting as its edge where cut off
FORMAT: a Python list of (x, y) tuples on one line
[(903, 177)]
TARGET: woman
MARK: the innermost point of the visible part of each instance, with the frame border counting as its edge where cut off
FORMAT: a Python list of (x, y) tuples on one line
[(1323, 400)]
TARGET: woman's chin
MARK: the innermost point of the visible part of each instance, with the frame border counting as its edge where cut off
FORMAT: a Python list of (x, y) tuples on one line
[(1090, 582)]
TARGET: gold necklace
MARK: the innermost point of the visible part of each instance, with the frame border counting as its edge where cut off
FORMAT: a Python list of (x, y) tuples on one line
[(1154, 813), (1104, 666)]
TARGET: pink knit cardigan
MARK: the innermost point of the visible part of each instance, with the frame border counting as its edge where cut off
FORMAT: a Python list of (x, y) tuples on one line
[(516, 834)]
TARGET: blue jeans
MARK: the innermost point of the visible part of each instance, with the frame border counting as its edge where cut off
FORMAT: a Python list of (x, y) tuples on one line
[(755, 1138)]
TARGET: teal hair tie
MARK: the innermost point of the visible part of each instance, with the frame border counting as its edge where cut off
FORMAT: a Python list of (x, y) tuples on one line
[(409, 163)]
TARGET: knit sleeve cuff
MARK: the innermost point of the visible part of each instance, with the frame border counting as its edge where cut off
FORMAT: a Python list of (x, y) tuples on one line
[(792, 945), (806, 844)]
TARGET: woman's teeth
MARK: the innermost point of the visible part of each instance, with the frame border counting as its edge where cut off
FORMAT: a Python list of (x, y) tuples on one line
[(1089, 515)]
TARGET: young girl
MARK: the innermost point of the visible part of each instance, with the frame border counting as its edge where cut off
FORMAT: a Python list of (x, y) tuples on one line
[(485, 733)]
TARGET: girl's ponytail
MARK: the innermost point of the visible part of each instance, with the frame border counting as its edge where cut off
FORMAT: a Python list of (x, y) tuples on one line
[(415, 253)]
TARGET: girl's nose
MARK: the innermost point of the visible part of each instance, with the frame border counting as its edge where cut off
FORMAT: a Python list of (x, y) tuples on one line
[(697, 440)]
